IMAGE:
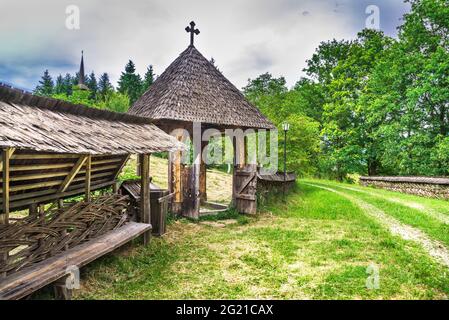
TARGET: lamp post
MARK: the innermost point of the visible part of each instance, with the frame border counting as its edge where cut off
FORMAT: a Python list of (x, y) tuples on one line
[(285, 127)]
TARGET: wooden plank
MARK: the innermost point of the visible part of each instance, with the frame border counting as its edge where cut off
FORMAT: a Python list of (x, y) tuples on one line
[(88, 178), (32, 156), (145, 194), (30, 167), (53, 196), (25, 282), (37, 176), (106, 161), (34, 185), (69, 178)]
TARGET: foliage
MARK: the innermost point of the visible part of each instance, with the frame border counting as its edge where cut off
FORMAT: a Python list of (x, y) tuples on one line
[(148, 78), (45, 86), (382, 104), (130, 83)]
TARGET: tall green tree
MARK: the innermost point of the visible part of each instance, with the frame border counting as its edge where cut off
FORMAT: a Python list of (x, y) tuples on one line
[(149, 78), (92, 84), (45, 86), (130, 83), (104, 86)]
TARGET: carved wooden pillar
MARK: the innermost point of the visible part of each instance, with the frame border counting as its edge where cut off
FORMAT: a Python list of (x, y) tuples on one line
[(145, 214), (175, 178), (203, 175)]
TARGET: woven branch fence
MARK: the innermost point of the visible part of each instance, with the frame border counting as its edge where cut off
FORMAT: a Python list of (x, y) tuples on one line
[(36, 238), (421, 186)]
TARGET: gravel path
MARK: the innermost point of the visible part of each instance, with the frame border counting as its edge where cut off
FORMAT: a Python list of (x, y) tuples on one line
[(434, 248)]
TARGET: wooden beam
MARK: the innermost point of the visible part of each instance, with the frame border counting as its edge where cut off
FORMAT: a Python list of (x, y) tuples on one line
[(69, 178), (88, 178), (145, 207), (6, 156)]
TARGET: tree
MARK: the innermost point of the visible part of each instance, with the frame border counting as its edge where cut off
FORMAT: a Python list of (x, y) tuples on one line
[(59, 86), (92, 85), (130, 83), (46, 85), (104, 86), (149, 78), (115, 101)]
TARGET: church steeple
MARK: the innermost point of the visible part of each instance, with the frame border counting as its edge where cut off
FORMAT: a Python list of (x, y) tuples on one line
[(81, 75)]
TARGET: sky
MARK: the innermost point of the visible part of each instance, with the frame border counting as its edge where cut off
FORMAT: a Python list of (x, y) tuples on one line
[(245, 37)]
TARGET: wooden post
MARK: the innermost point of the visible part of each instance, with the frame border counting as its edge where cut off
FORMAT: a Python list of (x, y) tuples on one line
[(175, 176), (87, 196), (145, 214), (239, 162), (6, 156), (4, 216), (203, 174)]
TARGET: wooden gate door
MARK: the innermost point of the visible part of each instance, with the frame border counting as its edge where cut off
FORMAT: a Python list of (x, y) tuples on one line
[(245, 187), (189, 194)]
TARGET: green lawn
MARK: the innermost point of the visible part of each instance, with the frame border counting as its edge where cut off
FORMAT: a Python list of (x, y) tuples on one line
[(316, 245)]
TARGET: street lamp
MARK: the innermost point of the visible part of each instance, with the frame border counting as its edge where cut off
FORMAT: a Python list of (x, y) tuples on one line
[(285, 127)]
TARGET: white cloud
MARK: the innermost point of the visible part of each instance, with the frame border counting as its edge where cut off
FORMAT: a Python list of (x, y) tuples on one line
[(246, 38)]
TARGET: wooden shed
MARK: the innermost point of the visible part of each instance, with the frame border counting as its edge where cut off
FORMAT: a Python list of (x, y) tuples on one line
[(192, 91), (52, 151)]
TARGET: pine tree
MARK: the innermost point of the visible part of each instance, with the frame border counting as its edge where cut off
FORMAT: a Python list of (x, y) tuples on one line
[(68, 84), (59, 86), (149, 78), (92, 85), (46, 85), (104, 86), (130, 83)]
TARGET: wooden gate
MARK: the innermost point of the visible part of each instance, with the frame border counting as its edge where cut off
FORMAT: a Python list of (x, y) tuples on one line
[(245, 187), (190, 199)]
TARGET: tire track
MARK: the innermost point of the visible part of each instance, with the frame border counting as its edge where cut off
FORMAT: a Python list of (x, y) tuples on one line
[(410, 204), (434, 248)]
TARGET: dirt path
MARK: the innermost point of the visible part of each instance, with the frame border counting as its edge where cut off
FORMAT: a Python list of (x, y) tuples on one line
[(443, 218), (433, 248)]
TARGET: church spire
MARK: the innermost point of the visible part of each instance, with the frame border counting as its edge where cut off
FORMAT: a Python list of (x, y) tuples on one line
[(81, 75)]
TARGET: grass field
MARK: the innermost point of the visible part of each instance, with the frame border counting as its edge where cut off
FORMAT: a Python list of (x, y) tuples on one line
[(317, 244)]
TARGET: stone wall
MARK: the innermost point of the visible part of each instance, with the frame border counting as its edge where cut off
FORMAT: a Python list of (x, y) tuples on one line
[(426, 187)]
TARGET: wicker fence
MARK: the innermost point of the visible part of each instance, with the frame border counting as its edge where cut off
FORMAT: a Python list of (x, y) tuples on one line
[(36, 238), (421, 186)]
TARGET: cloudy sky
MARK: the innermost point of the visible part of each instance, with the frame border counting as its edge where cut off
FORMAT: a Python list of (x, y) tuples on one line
[(245, 37)]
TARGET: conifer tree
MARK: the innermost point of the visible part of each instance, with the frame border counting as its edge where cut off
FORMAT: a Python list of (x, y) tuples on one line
[(92, 85), (130, 83), (46, 85), (104, 86), (149, 78)]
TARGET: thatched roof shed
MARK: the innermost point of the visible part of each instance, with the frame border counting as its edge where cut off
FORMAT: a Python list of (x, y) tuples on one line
[(43, 124), (191, 89)]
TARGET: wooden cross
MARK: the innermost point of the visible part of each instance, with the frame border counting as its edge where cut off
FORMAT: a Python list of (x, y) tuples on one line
[(192, 31)]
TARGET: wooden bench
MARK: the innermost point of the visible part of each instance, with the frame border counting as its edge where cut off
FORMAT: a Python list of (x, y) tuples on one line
[(26, 281)]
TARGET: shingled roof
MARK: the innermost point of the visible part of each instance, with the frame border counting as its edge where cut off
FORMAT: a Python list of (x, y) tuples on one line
[(192, 89), (43, 124)]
